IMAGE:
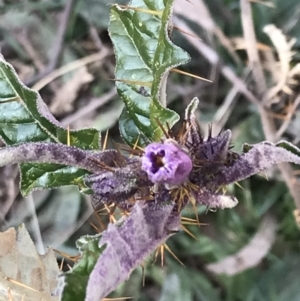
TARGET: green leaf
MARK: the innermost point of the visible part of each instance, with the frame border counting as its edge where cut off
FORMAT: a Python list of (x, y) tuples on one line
[(289, 146), (130, 132), (144, 56), (49, 175), (77, 279), (24, 117)]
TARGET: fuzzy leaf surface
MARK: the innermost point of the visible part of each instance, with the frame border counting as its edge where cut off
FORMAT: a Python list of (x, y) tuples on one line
[(24, 117), (127, 244), (144, 56), (257, 158), (108, 259)]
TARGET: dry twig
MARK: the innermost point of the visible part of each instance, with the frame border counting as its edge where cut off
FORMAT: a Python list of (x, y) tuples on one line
[(100, 56), (267, 121), (92, 106), (213, 58)]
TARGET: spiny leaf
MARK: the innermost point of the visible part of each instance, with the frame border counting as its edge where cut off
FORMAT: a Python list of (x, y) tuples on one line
[(24, 117), (144, 55), (108, 260), (127, 244)]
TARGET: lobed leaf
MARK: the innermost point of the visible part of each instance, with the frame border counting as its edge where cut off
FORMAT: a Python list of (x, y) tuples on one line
[(144, 56), (24, 117)]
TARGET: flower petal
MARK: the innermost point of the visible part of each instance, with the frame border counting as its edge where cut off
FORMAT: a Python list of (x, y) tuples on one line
[(166, 163)]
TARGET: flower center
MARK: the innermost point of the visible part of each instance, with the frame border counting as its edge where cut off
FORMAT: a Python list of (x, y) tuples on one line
[(157, 160)]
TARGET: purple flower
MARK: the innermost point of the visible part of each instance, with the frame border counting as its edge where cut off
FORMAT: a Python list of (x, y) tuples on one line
[(166, 163)]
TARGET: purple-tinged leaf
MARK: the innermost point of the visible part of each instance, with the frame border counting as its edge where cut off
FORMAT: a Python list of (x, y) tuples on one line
[(118, 185), (127, 244), (213, 200), (214, 149), (58, 154), (208, 157), (205, 151), (260, 157)]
